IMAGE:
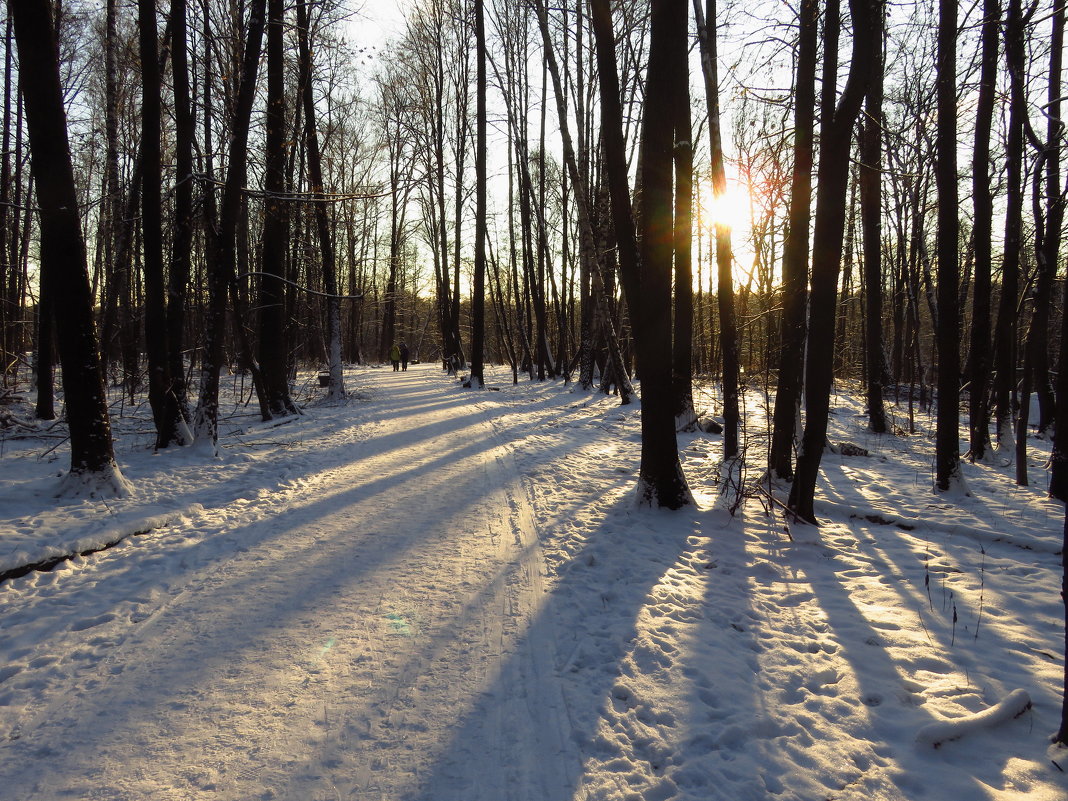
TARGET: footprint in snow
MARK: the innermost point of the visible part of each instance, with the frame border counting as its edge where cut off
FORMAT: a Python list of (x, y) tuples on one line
[(90, 622)]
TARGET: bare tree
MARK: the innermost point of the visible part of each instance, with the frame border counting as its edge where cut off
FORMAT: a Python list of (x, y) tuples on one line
[(336, 388), (182, 240), (947, 448), (646, 280), (795, 251), (161, 395), (871, 205), (833, 176), (64, 270), (478, 289), (222, 254), (1005, 332), (982, 226), (728, 327)]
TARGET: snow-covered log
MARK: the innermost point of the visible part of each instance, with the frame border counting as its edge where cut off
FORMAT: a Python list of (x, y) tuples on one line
[(1015, 704)]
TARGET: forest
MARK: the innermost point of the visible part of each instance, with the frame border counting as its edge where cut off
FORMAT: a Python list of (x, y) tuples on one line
[(745, 220), (209, 187)]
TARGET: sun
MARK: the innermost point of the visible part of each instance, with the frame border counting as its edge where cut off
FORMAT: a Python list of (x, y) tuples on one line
[(733, 208)]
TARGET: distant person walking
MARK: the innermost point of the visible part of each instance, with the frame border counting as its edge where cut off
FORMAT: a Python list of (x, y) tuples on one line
[(404, 354), (395, 356)]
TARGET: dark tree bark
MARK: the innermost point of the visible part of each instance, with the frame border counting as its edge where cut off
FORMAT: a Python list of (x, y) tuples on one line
[(647, 280), (947, 440), (982, 228), (1058, 486), (795, 252), (1048, 217), (273, 350), (871, 211), (682, 343), (42, 364), (111, 211), (11, 337), (728, 326), (336, 389), (63, 255), (662, 481), (833, 177), (1056, 199), (161, 397), (1062, 732), (615, 155), (1006, 329), (182, 242), (457, 359), (1055, 206), (587, 238), (223, 255), (478, 290)]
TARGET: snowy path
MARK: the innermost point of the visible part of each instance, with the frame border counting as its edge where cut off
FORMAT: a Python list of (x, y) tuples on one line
[(371, 639)]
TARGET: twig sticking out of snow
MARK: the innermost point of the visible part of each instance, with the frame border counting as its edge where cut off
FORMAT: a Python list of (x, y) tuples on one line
[(1015, 704)]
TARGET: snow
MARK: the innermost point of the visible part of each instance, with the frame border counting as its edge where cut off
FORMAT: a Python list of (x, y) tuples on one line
[(438, 593)]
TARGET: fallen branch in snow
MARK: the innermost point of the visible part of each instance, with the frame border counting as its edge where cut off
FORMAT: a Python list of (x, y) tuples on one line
[(879, 520), (46, 565), (774, 501), (1015, 704)]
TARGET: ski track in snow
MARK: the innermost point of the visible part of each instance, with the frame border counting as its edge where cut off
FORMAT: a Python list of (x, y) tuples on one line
[(369, 638)]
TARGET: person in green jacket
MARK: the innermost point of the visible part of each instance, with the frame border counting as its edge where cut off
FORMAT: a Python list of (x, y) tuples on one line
[(395, 356)]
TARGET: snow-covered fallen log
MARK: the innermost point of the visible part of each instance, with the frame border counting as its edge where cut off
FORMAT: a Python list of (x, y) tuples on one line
[(1012, 706)]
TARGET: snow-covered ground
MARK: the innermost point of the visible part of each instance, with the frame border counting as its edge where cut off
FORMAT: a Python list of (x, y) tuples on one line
[(438, 594)]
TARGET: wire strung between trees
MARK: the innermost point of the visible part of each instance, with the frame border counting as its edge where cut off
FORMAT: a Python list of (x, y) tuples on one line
[(289, 197), (301, 197), (302, 288)]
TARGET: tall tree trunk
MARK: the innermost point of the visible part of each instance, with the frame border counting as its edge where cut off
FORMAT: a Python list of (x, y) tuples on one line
[(1048, 217), (587, 238), (457, 359), (728, 326), (222, 261), (1055, 206), (10, 336), (273, 347), (182, 242), (682, 343), (43, 362), (871, 210), (982, 228), (478, 289), (795, 252), (832, 183), (947, 446), (1058, 486), (161, 396), (111, 211), (336, 389), (1006, 330), (661, 481), (63, 255)]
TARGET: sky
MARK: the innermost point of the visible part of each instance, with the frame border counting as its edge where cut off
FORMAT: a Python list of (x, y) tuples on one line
[(375, 21)]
